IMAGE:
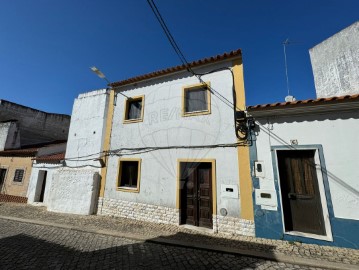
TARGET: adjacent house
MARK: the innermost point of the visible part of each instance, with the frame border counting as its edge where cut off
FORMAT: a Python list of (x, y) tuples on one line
[(305, 175), (304, 156), (16, 169)]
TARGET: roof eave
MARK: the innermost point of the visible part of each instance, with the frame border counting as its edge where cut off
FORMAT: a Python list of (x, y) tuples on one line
[(303, 109)]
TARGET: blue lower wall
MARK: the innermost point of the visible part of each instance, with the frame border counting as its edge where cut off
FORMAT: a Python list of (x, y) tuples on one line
[(268, 224)]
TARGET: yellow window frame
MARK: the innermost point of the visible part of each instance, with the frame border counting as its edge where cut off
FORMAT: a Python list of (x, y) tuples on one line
[(195, 87), (129, 189), (127, 102)]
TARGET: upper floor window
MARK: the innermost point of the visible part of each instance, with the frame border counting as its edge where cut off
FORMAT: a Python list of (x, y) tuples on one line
[(19, 175), (196, 100), (134, 109)]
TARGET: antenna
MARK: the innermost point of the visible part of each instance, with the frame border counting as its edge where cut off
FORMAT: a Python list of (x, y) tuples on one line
[(285, 43)]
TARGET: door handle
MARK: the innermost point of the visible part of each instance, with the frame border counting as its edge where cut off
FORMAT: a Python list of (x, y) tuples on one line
[(292, 196)]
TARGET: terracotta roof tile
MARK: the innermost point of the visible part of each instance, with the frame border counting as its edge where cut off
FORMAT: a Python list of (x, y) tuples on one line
[(54, 157), (208, 60), (304, 102)]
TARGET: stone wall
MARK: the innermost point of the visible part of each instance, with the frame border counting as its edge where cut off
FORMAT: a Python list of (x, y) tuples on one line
[(233, 226), (139, 211), (166, 215)]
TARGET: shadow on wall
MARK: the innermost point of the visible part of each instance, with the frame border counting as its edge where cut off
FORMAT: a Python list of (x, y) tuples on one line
[(23, 251)]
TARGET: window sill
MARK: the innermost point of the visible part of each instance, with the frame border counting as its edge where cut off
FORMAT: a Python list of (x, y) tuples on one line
[(184, 114), (132, 121), (128, 189)]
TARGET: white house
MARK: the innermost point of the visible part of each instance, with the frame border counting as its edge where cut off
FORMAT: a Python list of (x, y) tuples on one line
[(305, 171), (174, 156), (304, 156)]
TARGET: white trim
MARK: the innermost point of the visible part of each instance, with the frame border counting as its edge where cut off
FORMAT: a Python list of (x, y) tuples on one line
[(327, 225)]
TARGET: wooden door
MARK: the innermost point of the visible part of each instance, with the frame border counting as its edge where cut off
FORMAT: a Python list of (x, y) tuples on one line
[(196, 194), (302, 207)]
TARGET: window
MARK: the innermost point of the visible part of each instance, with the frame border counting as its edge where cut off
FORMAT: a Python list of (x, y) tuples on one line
[(129, 175), (18, 176), (196, 100), (134, 109)]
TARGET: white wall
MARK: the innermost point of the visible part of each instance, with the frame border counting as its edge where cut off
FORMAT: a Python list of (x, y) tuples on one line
[(74, 191), (163, 125), (338, 134), (335, 63), (35, 182), (87, 128)]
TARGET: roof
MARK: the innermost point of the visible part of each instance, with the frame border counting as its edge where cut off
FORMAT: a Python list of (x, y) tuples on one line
[(302, 103), (205, 61), (51, 158), (28, 150)]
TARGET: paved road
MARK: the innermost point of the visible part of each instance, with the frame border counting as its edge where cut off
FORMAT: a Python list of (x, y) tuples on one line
[(29, 246)]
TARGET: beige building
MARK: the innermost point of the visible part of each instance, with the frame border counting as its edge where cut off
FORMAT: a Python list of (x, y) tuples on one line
[(15, 171), (16, 168)]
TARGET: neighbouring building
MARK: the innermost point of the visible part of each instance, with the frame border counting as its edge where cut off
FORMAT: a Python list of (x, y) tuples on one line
[(44, 166), (335, 63), (21, 126), (16, 169), (304, 161), (304, 155), (24, 133)]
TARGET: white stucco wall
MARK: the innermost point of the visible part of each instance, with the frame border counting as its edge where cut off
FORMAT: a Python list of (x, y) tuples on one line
[(74, 191), (87, 125), (162, 126), (338, 133), (335, 63), (35, 184)]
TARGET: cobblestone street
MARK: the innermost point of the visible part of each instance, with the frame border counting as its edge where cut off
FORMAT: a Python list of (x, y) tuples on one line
[(32, 237), (29, 246)]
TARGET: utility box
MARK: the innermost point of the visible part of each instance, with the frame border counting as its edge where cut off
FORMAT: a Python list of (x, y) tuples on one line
[(229, 191)]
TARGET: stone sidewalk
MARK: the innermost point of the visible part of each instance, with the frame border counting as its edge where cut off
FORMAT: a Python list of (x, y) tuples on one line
[(305, 254)]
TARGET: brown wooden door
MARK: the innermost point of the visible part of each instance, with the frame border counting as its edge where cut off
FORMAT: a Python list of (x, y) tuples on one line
[(302, 207), (196, 194)]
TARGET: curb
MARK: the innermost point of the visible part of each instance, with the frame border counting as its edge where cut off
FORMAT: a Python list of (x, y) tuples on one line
[(213, 248)]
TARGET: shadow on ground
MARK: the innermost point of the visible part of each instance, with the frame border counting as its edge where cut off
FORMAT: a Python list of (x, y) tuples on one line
[(76, 250)]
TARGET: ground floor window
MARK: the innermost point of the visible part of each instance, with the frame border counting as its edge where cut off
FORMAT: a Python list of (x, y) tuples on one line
[(19, 175), (129, 174)]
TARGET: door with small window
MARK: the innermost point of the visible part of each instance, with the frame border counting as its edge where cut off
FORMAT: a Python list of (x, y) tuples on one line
[(196, 194), (302, 208)]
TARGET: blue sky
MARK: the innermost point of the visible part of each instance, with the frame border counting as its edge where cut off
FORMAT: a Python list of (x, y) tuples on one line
[(47, 47)]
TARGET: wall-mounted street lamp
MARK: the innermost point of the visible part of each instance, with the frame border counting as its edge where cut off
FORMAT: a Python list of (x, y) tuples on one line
[(102, 76)]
